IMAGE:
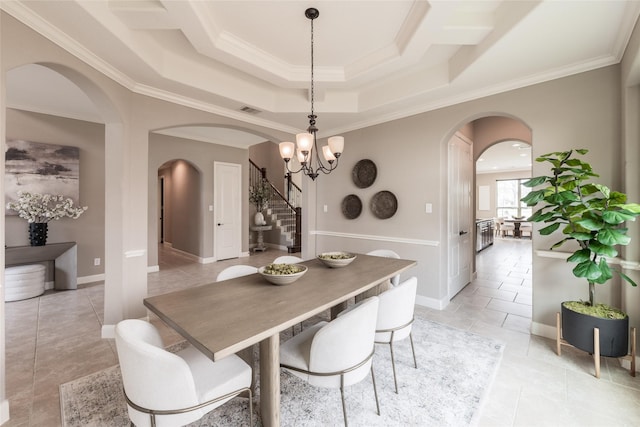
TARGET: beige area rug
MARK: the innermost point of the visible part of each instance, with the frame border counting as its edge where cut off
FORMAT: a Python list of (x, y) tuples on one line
[(455, 371)]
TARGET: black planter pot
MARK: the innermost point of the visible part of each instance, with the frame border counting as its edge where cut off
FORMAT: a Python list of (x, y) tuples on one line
[(577, 330), (38, 233)]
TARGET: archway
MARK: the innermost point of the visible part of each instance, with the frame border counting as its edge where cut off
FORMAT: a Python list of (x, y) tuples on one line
[(480, 133), (179, 201)]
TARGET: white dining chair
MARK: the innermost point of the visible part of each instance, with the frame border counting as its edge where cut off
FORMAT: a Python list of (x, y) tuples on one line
[(395, 318), (506, 228), (335, 354), (173, 389), (387, 253), (236, 271), (287, 259), (526, 227)]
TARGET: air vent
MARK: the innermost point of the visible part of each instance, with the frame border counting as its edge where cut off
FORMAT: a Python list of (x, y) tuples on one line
[(250, 110)]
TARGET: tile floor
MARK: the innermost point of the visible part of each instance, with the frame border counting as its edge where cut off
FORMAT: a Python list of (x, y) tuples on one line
[(55, 338)]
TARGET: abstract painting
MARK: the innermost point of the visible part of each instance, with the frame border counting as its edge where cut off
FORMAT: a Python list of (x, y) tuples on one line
[(41, 168)]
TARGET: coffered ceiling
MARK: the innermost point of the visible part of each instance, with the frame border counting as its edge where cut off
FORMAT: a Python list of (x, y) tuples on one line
[(374, 60)]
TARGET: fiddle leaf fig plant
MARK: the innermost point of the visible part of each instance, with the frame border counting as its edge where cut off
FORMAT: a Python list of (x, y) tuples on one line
[(590, 214)]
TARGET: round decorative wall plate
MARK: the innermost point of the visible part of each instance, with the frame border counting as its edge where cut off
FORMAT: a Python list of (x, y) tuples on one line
[(364, 173), (384, 204), (351, 206)]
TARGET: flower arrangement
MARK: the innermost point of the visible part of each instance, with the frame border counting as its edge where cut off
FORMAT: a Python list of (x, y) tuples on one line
[(260, 194), (42, 208)]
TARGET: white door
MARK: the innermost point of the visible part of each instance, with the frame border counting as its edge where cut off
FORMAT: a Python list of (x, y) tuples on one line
[(227, 196), (459, 227)]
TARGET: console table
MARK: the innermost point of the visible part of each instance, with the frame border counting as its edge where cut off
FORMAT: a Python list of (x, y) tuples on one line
[(64, 257), (260, 229)]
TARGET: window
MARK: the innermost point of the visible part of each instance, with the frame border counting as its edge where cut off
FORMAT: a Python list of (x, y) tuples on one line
[(508, 195)]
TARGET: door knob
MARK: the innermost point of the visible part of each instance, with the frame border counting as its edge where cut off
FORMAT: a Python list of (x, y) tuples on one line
[(219, 224), (462, 233)]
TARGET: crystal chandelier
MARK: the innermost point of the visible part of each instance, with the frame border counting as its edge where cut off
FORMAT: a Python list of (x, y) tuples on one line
[(307, 150)]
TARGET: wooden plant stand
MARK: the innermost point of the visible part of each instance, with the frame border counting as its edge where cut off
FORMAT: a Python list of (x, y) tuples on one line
[(596, 347)]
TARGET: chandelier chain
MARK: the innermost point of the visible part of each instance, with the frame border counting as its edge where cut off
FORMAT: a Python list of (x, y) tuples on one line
[(312, 84)]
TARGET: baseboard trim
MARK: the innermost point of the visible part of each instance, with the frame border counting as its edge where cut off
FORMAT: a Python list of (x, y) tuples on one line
[(432, 302), (543, 330), (4, 411), (90, 279), (108, 331)]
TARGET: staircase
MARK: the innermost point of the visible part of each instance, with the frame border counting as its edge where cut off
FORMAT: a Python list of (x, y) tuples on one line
[(280, 213)]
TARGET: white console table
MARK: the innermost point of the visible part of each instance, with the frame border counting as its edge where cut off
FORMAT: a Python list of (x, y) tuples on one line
[(64, 257)]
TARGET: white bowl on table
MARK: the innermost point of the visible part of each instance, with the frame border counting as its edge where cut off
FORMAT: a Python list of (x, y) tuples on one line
[(282, 279), (336, 259)]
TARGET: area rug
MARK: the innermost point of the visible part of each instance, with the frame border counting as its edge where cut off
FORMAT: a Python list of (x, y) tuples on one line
[(455, 371)]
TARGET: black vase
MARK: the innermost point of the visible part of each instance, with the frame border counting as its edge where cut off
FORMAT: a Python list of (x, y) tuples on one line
[(577, 330), (38, 233)]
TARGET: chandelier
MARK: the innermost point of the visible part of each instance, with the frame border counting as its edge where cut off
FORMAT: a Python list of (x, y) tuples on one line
[(307, 150)]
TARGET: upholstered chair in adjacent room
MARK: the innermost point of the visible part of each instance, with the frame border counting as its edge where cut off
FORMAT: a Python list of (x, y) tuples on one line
[(526, 227), (507, 228), (335, 354), (174, 389), (236, 271), (395, 318)]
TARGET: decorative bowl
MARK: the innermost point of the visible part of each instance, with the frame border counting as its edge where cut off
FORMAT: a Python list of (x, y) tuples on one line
[(278, 274), (336, 259)]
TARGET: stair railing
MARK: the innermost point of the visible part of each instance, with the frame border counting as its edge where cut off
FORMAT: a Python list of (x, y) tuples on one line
[(293, 212)]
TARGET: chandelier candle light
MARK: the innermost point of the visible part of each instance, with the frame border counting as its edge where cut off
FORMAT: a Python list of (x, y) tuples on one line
[(307, 141)]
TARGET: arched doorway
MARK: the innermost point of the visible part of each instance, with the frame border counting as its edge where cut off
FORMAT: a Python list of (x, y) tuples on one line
[(482, 133), (179, 194)]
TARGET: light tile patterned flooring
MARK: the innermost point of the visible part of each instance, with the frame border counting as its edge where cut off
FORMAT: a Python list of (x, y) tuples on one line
[(55, 338)]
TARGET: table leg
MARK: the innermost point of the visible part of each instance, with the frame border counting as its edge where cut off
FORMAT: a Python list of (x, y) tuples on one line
[(270, 381)]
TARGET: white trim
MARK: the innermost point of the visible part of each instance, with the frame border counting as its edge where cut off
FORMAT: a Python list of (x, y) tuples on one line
[(108, 331), (153, 269), (207, 260), (627, 265), (135, 253), (4, 411), (245, 254), (90, 279), (432, 302), (543, 330), (377, 238)]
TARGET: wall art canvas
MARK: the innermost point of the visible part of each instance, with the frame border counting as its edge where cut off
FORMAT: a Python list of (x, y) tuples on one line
[(41, 168)]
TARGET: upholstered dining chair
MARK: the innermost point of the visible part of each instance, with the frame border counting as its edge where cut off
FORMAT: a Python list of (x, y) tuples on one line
[(387, 253), (247, 354), (236, 271), (287, 259), (395, 318), (507, 227), (173, 389), (335, 354), (526, 227)]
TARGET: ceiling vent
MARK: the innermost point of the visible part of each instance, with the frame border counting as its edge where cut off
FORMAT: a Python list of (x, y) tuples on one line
[(250, 110)]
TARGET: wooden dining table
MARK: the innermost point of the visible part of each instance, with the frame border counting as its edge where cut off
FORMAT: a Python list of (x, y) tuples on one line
[(222, 318)]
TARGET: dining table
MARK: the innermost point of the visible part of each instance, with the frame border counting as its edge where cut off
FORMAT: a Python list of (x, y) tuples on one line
[(223, 318), (516, 225)]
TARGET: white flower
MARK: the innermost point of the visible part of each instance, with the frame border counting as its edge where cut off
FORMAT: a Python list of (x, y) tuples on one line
[(260, 194), (36, 207)]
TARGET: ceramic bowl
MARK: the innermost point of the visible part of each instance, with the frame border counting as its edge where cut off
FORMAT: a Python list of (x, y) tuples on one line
[(283, 279), (336, 262)]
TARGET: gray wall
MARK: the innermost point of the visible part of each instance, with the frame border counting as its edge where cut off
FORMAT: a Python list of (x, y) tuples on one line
[(88, 229), (577, 111), (201, 156), (182, 217)]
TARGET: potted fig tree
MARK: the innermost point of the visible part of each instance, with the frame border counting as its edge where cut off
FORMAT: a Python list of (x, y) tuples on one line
[(592, 216)]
